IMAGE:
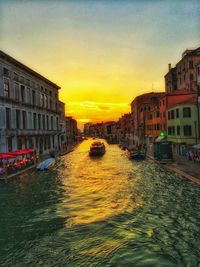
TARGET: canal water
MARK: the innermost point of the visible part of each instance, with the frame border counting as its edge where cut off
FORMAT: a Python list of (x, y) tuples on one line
[(107, 211)]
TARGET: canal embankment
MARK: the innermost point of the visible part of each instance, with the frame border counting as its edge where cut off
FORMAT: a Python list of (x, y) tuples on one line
[(183, 167)]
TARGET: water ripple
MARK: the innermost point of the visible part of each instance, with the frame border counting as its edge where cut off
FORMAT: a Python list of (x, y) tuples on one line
[(100, 212)]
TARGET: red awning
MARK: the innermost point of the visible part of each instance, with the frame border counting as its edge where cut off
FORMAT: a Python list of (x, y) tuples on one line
[(22, 152), (6, 156)]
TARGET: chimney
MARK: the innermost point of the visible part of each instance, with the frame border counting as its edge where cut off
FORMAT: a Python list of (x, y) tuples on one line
[(169, 65)]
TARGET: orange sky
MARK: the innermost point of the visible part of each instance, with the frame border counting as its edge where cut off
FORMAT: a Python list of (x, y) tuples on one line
[(101, 53)]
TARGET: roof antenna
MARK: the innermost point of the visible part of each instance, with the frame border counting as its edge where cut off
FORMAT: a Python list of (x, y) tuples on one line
[(152, 87)]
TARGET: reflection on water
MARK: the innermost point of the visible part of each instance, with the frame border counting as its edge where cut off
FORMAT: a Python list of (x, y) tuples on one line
[(105, 211)]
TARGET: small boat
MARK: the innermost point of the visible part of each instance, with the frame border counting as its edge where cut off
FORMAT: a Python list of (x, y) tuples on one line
[(46, 164), (97, 149), (137, 155)]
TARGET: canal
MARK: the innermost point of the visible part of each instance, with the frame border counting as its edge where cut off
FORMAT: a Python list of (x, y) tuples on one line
[(107, 211)]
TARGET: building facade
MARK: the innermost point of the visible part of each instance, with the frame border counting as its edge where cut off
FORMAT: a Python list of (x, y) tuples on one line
[(182, 125), (142, 109), (71, 130), (184, 75), (29, 108)]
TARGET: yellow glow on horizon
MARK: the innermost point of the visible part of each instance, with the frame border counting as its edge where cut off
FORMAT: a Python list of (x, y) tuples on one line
[(91, 111)]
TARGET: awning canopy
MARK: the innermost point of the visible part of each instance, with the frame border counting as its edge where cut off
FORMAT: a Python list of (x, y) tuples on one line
[(6, 156), (197, 146), (22, 152)]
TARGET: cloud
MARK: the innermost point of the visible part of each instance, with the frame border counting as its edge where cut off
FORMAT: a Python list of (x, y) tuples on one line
[(104, 108)]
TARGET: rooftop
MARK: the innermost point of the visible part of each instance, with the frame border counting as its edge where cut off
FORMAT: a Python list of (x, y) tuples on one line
[(26, 68)]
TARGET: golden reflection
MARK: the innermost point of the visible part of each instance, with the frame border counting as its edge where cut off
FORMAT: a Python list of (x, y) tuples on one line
[(96, 188)]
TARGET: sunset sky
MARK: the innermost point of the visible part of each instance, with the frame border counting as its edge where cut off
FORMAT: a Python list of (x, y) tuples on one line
[(102, 53)]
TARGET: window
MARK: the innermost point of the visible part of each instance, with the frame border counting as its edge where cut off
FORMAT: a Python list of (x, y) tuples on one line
[(163, 114), (29, 120), (177, 113), (21, 79), (51, 122), (169, 130), (43, 121), (46, 101), (17, 118), (47, 122), (169, 117), (191, 64), (5, 72), (172, 114), (157, 114), (57, 124), (19, 143), (22, 93), (28, 82), (178, 130), (24, 119), (7, 118), (39, 121), (173, 130), (32, 84), (50, 104), (16, 86), (186, 112), (28, 95), (34, 121), (9, 142), (16, 76), (6, 88), (187, 130), (191, 77), (42, 100), (33, 97)]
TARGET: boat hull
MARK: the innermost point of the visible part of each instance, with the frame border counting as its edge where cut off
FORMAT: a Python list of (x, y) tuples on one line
[(46, 164), (137, 155), (97, 149)]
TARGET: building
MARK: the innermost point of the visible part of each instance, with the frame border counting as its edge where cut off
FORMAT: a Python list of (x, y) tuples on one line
[(142, 108), (184, 75), (71, 130), (198, 94), (171, 80), (183, 125), (86, 129), (126, 130), (29, 108), (63, 133), (111, 132)]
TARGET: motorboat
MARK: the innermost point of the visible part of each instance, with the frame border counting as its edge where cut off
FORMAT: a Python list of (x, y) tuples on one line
[(97, 149), (137, 155), (46, 164)]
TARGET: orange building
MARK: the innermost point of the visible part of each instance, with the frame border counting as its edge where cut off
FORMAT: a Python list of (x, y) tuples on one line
[(142, 108)]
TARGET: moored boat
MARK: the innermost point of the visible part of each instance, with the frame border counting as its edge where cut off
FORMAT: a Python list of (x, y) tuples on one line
[(97, 149), (137, 155), (46, 164)]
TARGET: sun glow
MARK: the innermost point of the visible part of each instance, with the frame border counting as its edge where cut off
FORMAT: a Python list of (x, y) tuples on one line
[(101, 53)]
